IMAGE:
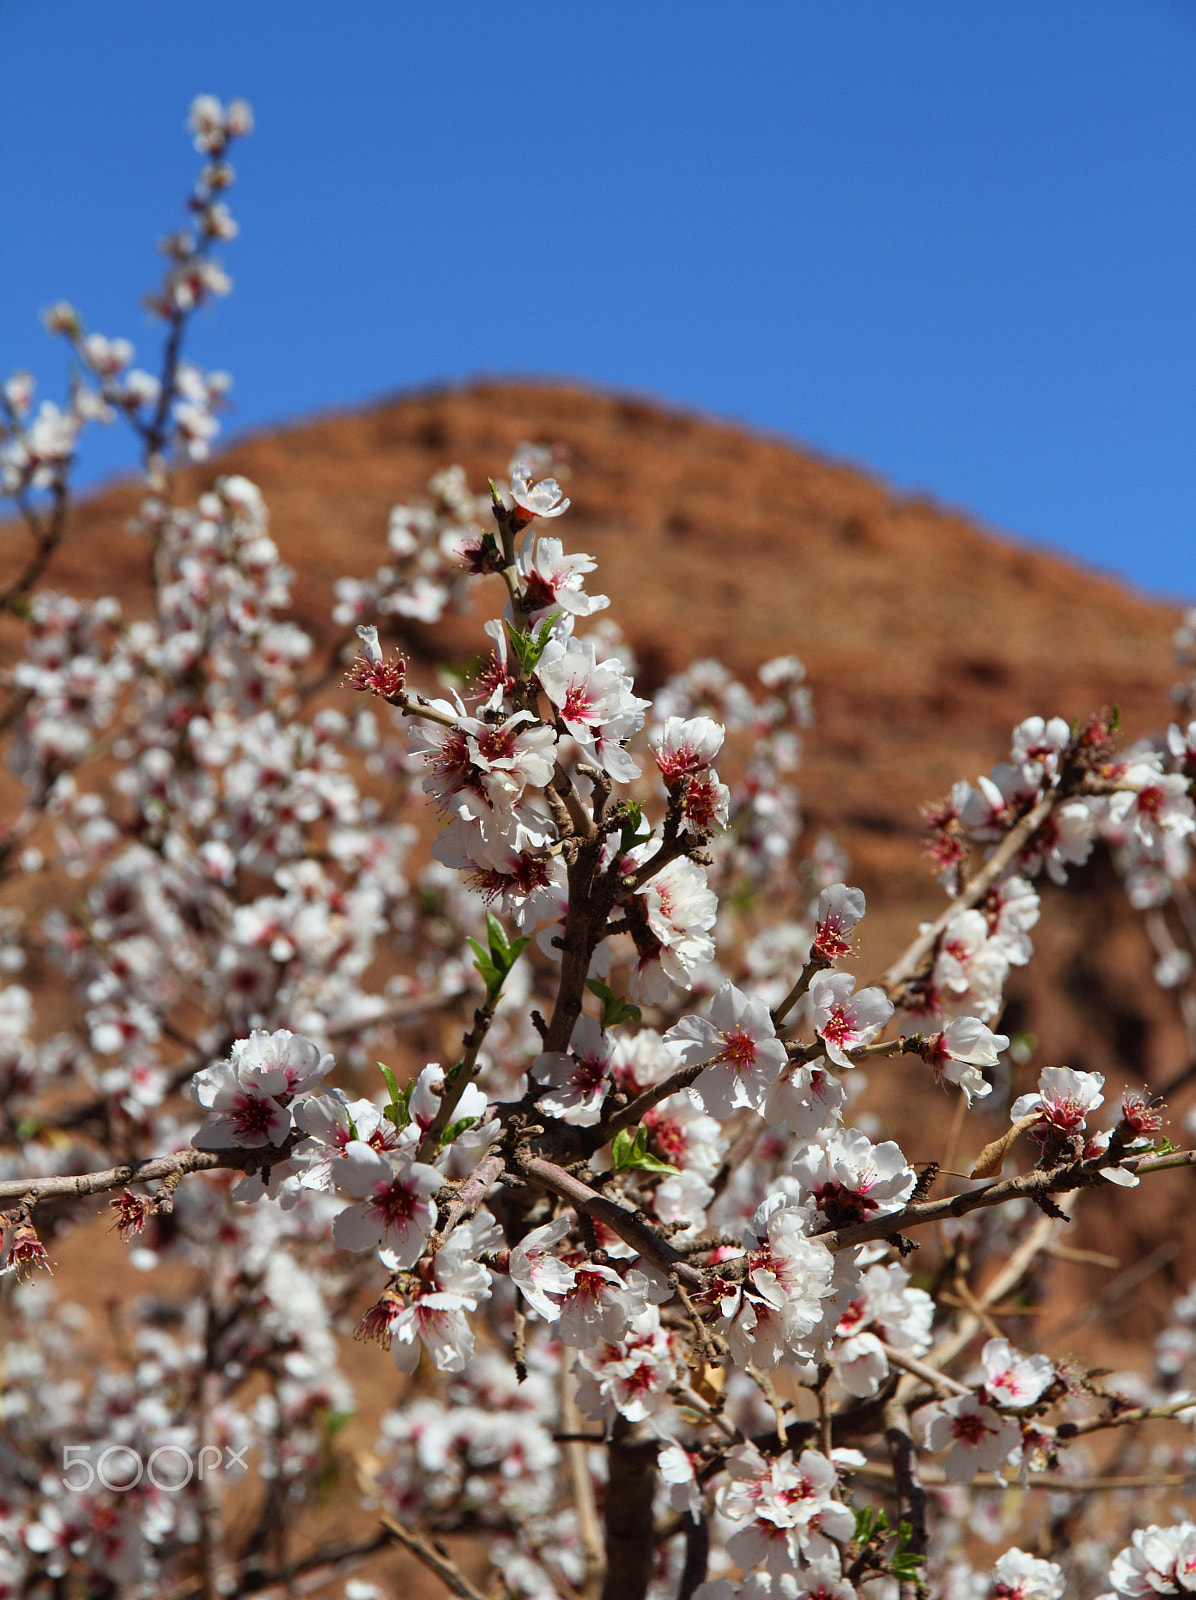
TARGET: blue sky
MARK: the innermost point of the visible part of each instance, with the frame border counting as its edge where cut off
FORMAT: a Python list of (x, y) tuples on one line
[(955, 243)]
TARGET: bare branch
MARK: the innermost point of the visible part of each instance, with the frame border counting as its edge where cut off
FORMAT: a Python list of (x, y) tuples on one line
[(435, 1560)]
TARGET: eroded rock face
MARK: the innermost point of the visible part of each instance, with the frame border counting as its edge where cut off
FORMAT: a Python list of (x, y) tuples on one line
[(925, 639)]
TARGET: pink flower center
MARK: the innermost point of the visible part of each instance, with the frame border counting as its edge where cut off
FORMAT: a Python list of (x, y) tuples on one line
[(588, 1288), (739, 1050), (970, 1428), (828, 938), (579, 705), (851, 1319), (540, 591), (394, 1203), (498, 744), (253, 1117), (835, 1200), (1066, 1111), (589, 1073), (839, 1028), (1151, 800)]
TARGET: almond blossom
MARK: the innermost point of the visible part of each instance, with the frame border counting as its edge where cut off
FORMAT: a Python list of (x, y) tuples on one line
[(1156, 804), (1157, 1560), (965, 1044), (976, 1438), (1012, 1379), (599, 1304), (740, 1044), (594, 702), (886, 1312), (1064, 1096), (537, 1273), (252, 1090), (686, 746), (806, 1098), (394, 1197), (553, 580), (1019, 1576), (543, 499), (849, 1179), (784, 1300), (787, 1507), (631, 1375), (678, 909), (839, 909), (844, 1021), (578, 1081)]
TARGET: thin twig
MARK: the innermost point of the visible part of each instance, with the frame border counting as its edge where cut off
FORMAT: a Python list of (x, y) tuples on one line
[(1124, 1419), (641, 1238), (915, 953), (35, 1190), (1076, 1175), (938, 1381), (933, 1477), (445, 1569)]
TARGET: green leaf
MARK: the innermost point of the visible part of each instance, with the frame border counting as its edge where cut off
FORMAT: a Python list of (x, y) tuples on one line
[(392, 1083), (629, 1154), (455, 1129), (485, 969), (863, 1524), (614, 1008), (334, 1421), (620, 1150), (528, 648), (630, 833), (493, 964), (399, 1109)]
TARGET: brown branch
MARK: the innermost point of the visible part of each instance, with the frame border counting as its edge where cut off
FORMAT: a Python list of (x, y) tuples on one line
[(627, 1511), (586, 1201), (33, 1191), (744, 1143), (469, 1196), (911, 1496), (938, 1381), (815, 965), (1001, 1283), (47, 535), (1033, 1185), (1073, 1430), (591, 897), (581, 1483), (935, 1477), (633, 1113), (458, 1079), (445, 1569)]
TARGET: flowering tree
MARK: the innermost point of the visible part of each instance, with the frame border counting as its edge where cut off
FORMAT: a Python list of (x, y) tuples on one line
[(661, 1297)]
